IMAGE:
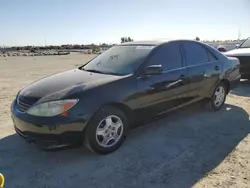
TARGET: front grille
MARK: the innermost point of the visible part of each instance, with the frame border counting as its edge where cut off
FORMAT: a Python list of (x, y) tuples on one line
[(22, 105)]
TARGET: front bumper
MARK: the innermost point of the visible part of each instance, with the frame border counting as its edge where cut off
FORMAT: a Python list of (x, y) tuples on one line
[(54, 134), (48, 137)]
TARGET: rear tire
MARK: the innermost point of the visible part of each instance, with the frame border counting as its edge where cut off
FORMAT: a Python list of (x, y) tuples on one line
[(106, 130), (219, 97)]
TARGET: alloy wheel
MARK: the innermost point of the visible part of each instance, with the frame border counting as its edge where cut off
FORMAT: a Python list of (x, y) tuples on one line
[(109, 131), (219, 96)]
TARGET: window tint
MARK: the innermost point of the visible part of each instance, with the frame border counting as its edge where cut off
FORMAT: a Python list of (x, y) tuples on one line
[(168, 56), (195, 53), (119, 60), (211, 56)]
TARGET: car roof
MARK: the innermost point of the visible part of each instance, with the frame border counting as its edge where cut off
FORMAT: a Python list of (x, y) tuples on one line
[(153, 42)]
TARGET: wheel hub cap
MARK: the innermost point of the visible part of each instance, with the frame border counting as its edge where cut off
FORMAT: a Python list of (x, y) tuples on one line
[(109, 131), (219, 96)]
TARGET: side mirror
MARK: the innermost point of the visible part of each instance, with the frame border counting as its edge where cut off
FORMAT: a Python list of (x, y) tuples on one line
[(237, 45), (153, 70)]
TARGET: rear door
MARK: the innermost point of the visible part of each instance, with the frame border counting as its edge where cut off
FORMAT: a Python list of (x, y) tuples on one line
[(158, 93), (203, 68)]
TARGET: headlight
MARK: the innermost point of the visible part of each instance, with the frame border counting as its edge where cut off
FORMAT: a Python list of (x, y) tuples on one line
[(52, 108)]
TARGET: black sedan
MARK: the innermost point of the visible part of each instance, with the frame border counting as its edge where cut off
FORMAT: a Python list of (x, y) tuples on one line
[(242, 52), (125, 86)]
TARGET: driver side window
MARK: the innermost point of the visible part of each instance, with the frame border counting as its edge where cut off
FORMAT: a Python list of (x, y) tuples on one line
[(167, 55)]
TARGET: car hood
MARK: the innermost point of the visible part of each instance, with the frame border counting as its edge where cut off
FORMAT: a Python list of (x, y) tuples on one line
[(58, 85), (239, 52)]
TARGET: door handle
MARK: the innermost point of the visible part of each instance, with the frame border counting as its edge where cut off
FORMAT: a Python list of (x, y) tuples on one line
[(180, 81), (216, 68)]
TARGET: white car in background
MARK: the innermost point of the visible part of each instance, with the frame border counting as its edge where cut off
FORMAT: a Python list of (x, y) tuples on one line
[(242, 52)]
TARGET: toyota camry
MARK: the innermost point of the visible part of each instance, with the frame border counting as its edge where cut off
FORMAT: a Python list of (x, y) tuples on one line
[(127, 85)]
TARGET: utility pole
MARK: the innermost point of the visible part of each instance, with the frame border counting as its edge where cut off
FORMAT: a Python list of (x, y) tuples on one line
[(45, 41), (239, 34)]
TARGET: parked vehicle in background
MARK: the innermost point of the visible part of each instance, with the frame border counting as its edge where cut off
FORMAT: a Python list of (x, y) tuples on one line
[(124, 86), (221, 48), (242, 52)]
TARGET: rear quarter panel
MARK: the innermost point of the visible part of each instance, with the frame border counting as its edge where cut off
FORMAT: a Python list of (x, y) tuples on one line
[(211, 76), (230, 69)]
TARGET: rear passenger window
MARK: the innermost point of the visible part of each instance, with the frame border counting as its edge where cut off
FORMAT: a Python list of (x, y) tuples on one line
[(211, 56), (169, 56), (195, 53)]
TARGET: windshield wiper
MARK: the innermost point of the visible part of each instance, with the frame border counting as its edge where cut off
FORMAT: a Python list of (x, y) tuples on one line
[(93, 70), (96, 71)]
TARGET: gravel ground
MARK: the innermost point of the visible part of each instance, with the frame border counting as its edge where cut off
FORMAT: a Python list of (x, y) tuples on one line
[(191, 147)]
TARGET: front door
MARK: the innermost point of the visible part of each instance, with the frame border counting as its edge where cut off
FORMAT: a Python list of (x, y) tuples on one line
[(161, 92)]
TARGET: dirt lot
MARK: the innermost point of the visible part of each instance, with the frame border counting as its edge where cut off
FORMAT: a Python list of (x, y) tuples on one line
[(192, 147)]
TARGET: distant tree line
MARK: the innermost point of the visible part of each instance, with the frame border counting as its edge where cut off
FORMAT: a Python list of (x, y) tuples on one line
[(94, 47), (217, 41), (126, 39), (197, 38)]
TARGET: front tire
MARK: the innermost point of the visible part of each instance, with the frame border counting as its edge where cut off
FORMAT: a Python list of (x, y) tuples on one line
[(106, 130), (219, 97)]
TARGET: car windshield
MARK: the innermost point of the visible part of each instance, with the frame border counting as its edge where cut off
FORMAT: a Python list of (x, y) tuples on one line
[(245, 44), (118, 60)]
